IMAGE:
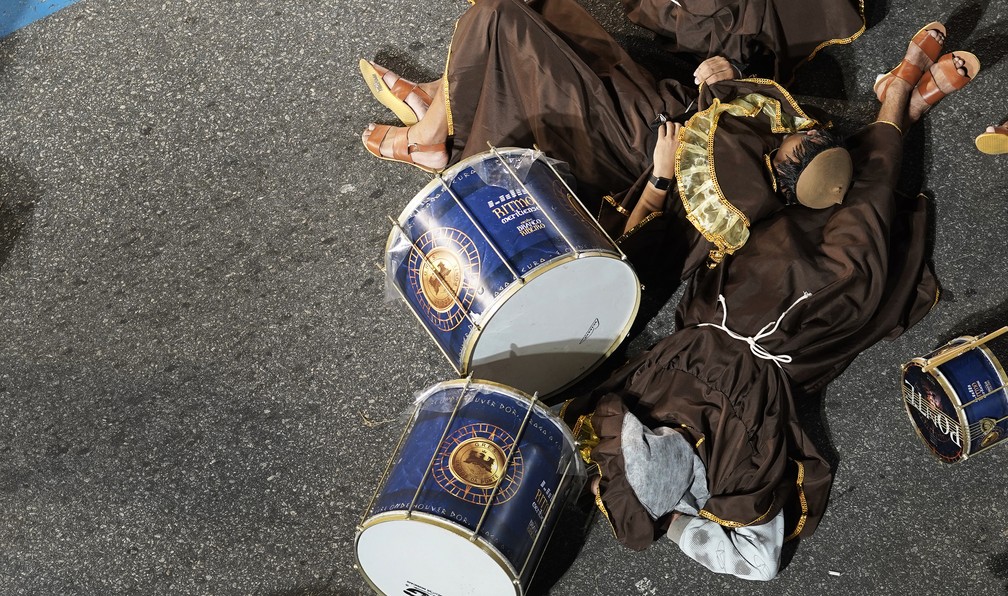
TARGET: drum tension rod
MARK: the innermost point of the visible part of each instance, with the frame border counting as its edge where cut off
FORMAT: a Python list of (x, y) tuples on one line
[(542, 207), (430, 465), (962, 349), (507, 464), (581, 204), (444, 282), (481, 230)]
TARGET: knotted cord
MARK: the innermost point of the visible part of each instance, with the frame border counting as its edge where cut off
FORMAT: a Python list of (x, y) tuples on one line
[(767, 330)]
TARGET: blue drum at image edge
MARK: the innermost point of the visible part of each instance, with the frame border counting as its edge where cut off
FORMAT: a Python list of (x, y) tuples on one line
[(485, 417), (970, 375), (516, 225)]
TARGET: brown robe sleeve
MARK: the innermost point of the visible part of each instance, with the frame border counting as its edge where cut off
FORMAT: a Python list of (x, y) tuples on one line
[(789, 32)]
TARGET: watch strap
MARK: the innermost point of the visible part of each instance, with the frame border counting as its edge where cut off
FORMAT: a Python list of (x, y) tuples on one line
[(659, 182)]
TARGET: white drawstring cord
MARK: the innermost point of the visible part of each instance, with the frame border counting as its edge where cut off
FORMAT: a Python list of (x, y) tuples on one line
[(767, 330)]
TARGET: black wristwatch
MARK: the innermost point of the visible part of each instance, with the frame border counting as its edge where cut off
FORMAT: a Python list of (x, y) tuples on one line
[(660, 183)]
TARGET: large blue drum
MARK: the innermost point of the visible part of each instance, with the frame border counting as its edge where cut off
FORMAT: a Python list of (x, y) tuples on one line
[(956, 399), (470, 496), (512, 278)]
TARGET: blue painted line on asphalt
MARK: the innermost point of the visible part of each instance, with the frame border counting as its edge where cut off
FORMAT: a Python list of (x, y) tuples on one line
[(15, 14)]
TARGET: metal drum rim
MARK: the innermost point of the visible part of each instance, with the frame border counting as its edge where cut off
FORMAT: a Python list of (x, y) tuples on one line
[(436, 183), (538, 404)]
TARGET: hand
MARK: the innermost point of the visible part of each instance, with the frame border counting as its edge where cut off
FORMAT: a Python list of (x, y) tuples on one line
[(665, 149), (713, 70)]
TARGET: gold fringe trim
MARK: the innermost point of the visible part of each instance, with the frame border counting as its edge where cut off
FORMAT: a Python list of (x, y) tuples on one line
[(707, 208), (444, 79), (804, 503), (612, 201), (585, 437), (770, 169), (601, 506), (833, 42), (647, 219), (733, 524)]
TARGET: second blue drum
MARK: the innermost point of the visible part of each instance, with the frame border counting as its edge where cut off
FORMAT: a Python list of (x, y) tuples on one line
[(958, 407), (471, 495)]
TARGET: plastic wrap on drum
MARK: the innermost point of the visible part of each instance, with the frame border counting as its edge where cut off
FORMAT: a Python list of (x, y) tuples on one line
[(396, 252), (520, 163)]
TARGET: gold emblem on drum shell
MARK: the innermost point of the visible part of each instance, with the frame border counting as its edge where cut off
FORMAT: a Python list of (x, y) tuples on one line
[(477, 462), (440, 269), (472, 464), (440, 278)]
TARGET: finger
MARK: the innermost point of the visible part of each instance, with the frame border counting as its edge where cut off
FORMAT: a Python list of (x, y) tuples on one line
[(719, 75)]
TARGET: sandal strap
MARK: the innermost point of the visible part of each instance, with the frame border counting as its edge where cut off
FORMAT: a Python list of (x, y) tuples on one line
[(402, 88), (940, 80), (919, 61), (401, 147), (930, 46), (418, 148), (375, 138), (921, 53)]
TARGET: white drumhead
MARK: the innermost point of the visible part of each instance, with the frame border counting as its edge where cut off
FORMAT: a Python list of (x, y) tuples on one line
[(558, 326), (412, 556)]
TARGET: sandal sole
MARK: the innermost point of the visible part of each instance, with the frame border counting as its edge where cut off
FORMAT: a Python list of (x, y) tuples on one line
[(383, 93), (992, 143)]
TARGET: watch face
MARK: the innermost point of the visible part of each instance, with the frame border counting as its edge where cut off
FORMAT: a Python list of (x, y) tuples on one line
[(660, 183)]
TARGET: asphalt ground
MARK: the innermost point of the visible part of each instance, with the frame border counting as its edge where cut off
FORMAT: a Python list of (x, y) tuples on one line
[(202, 376)]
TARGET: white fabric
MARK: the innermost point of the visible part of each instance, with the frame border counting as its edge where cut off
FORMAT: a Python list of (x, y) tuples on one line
[(751, 552)]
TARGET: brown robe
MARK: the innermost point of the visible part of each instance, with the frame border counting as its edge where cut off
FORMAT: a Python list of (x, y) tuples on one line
[(863, 264), (789, 31), (546, 73)]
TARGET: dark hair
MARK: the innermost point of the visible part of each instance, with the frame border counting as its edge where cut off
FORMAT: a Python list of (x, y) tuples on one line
[(791, 168)]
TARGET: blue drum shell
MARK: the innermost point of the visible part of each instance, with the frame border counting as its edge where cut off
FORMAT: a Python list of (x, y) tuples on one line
[(531, 220), (487, 413), (960, 408)]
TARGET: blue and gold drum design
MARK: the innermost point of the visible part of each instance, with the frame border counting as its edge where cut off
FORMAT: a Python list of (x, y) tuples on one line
[(956, 399), (471, 494), (514, 280)]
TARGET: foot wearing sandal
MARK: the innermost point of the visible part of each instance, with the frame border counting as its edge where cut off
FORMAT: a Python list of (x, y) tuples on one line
[(994, 140), (949, 74), (408, 100), (394, 143), (925, 47)]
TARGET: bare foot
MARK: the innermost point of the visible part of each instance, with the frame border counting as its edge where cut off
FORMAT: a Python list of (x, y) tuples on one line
[(425, 152), (1002, 126), (915, 62)]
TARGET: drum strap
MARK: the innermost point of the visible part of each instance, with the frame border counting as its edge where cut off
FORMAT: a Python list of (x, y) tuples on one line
[(768, 330)]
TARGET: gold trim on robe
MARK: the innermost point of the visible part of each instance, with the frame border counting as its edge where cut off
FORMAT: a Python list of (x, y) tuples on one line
[(707, 208)]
